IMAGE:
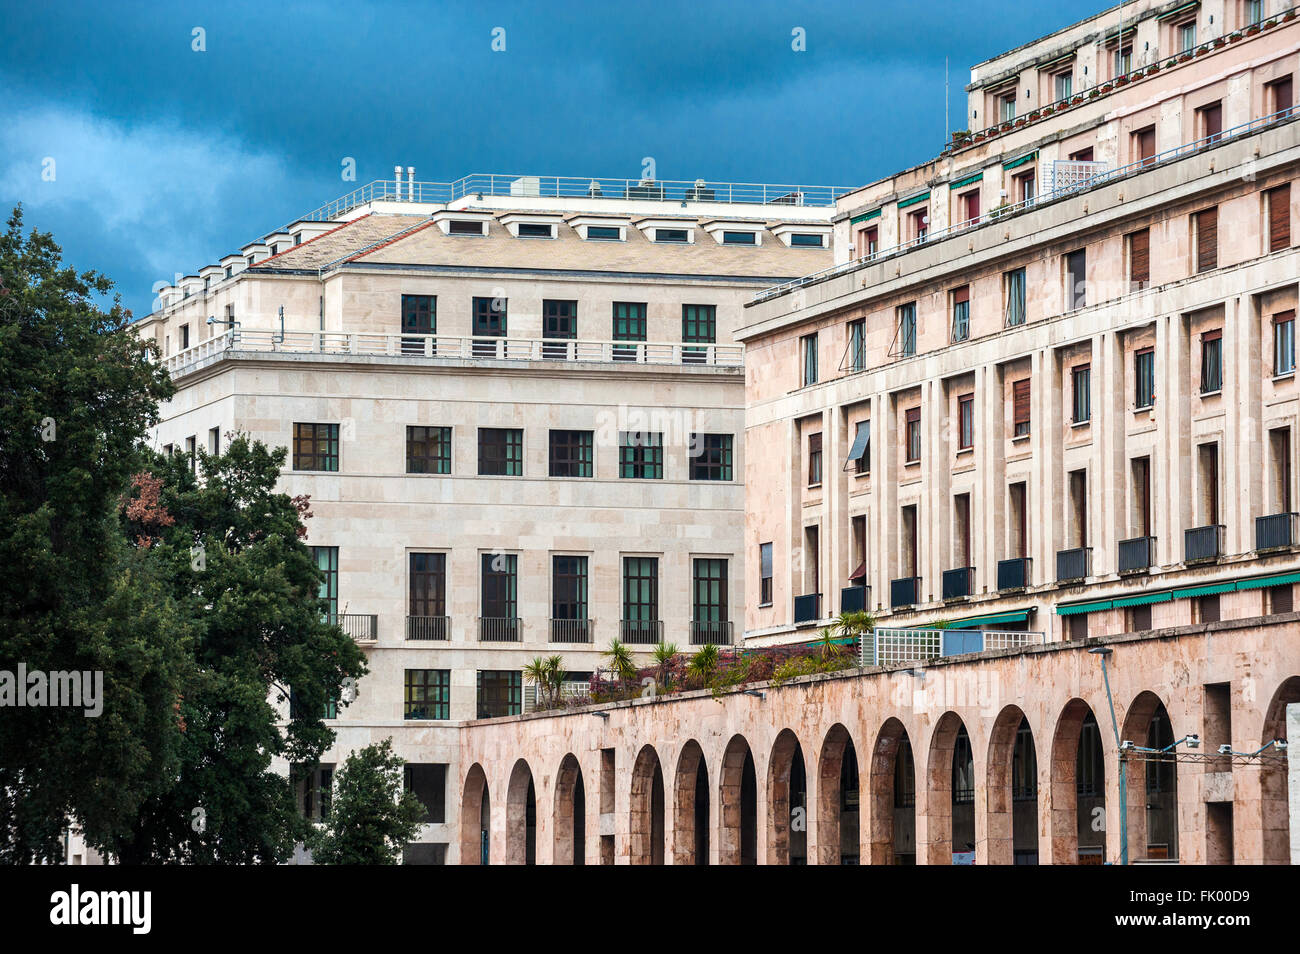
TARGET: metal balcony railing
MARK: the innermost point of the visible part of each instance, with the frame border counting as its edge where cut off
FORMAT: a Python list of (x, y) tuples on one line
[(1136, 555), (957, 582), (710, 632), (570, 630), (498, 629), (807, 608), (644, 632), (904, 592), (1276, 531), (1013, 574), (854, 599), (1203, 543), (1073, 564), (891, 647), (363, 627), (428, 627)]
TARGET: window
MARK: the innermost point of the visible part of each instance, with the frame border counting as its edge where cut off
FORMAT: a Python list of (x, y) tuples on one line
[(571, 453), (500, 586), (1206, 226), (709, 592), (739, 238), (966, 421), (1020, 407), (1186, 33), (428, 579), (428, 450), (1015, 291), (907, 329), (419, 317), (1284, 343), (1279, 218), (500, 693), (604, 233), (327, 561), (809, 348), (569, 587), (1210, 120), (1081, 379), (1139, 259), (536, 230), (214, 441), (711, 457), (806, 240), (641, 455), (316, 447), (676, 236), (1063, 84), (500, 452), (629, 325), (1144, 373), (429, 783), (860, 452), (765, 574), (857, 344), (641, 589), (913, 435), (559, 323), (814, 459), (961, 313), (1076, 280), (1212, 362), (699, 324), (1144, 145), (428, 694), (464, 227), (185, 337)]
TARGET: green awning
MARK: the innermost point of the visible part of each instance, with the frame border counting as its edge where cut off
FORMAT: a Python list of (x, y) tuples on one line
[(1259, 582), (1208, 590), (913, 200), (1016, 616), (1073, 608), (1177, 10), (1016, 163), (1143, 599), (967, 181), (865, 217)]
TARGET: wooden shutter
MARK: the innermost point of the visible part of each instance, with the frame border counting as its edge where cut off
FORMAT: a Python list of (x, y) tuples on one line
[(1020, 402), (1139, 262), (1279, 218), (1207, 240)]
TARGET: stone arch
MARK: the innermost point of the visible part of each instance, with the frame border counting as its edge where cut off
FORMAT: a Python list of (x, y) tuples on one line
[(839, 784), (521, 816), (475, 811), (1078, 799), (950, 808), (737, 805), (691, 807), (647, 805), (570, 813), (892, 837), (1274, 790), (1012, 790), (787, 802)]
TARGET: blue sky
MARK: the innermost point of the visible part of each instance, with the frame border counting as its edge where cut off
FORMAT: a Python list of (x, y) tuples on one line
[(166, 158)]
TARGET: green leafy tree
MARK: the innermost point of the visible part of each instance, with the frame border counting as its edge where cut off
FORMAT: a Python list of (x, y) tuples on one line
[(371, 818)]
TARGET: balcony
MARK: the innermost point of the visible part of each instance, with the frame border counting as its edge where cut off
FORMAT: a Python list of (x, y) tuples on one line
[(904, 592), (710, 632), (641, 632), (855, 599), (1203, 543), (498, 629), (807, 608), (570, 630), (1135, 556), (957, 583), (1013, 574), (428, 627), (1276, 531), (1072, 565), (362, 627)]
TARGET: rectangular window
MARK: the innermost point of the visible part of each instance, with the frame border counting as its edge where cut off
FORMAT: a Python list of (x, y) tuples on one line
[(699, 324), (500, 452), (814, 459), (711, 456), (907, 329), (641, 589), (641, 455), (428, 450), (1015, 291), (500, 593), (428, 781), (1279, 218), (1076, 280), (489, 321), (966, 421), (316, 447), (559, 324), (961, 313), (1139, 259), (1206, 225), (1064, 85), (419, 317), (569, 587), (860, 452), (1020, 407), (1211, 362), (500, 693), (428, 694), (809, 348), (428, 578), (1284, 342), (765, 574), (858, 344), (709, 603), (913, 435), (1144, 376), (1081, 379), (571, 453), (327, 561), (629, 325)]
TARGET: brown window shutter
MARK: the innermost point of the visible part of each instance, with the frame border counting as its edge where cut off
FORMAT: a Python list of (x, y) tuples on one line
[(1207, 240), (1140, 257), (1279, 218), (1020, 404), (960, 295)]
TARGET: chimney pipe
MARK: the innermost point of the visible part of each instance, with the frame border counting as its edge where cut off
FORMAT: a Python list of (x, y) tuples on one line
[(410, 183)]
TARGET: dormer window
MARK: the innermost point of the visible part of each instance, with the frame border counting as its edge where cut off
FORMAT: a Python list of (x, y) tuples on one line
[(464, 227), (739, 238), (677, 236), (536, 230), (604, 233)]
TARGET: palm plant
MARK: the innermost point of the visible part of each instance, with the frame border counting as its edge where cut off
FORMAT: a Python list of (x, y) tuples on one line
[(704, 663), (620, 660), (663, 655)]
